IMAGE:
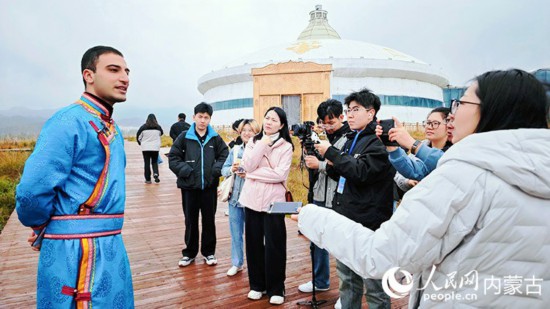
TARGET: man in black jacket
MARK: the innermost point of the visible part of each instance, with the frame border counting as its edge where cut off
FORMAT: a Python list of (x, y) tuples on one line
[(322, 188), (178, 127), (197, 157), (364, 192)]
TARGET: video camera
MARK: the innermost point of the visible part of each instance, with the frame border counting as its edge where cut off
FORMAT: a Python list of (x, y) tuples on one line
[(308, 138)]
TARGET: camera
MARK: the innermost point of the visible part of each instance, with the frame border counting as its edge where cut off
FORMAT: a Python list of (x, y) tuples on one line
[(386, 125), (308, 138)]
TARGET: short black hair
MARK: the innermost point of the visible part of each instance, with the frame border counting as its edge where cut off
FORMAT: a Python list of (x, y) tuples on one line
[(181, 116), (511, 99), (235, 125), (331, 108), (89, 59), (365, 98), (204, 107), (445, 111)]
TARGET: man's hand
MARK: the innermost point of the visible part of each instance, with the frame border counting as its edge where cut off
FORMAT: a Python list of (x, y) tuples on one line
[(400, 135), (242, 175), (322, 147), (412, 182), (312, 162), (31, 240)]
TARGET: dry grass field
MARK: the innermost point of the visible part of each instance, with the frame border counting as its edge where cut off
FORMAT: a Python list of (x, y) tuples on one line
[(12, 160), (14, 153)]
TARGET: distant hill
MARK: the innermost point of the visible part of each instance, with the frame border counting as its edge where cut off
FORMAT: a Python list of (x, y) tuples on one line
[(27, 123), (20, 126)]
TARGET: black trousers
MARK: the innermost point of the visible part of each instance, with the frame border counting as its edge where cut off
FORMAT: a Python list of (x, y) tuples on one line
[(266, 251), (203, 201), (150, 158)]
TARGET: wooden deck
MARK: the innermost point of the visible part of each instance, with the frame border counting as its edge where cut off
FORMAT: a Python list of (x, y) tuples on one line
[(153, 234)]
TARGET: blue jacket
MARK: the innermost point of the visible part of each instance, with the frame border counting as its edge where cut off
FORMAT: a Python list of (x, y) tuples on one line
[(415, 169)]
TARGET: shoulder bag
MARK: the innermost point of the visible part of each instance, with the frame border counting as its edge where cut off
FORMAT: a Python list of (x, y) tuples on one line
[(225, 188)]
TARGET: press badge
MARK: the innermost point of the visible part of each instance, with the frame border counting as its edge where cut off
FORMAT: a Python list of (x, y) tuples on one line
[(341, 183)]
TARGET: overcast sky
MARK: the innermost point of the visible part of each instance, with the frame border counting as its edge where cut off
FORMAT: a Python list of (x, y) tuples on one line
[(169, 45)]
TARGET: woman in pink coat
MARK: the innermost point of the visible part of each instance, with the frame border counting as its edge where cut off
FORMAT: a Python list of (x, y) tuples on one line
[(266, 160)]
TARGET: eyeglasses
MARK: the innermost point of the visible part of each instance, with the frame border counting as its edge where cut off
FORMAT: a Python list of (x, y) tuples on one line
[(326, 126), (433, 124), (455, 103), (354, 110)]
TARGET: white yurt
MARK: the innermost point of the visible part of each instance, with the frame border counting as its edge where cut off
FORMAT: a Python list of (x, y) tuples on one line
[(317, 66)]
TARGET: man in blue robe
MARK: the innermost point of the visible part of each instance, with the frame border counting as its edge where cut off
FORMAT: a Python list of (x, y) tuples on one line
[(72, 194)]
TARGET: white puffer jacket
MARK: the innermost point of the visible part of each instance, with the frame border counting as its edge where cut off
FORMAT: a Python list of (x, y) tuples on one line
[(484, 210), (150, 139)]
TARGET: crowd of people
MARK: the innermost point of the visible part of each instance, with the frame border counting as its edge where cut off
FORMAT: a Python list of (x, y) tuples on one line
[(474, 196)]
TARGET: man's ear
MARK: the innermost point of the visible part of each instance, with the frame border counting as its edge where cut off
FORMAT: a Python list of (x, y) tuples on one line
[(88, 76), (341, 117)]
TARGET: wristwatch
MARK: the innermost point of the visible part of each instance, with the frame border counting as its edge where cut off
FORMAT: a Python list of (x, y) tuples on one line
[(414, 147)]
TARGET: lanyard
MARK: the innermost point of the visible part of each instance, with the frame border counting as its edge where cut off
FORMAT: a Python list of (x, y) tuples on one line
[(354, 141)]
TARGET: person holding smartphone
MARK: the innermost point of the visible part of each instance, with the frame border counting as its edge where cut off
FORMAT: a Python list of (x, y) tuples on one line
[(232, 167), (424, 154), (483, 211)]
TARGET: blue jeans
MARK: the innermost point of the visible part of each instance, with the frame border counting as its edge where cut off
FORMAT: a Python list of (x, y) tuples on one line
[(351, 289), (321, 262), (236, 228)]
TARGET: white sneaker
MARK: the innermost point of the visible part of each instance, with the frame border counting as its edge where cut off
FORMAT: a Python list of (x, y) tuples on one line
[(234, 270), (185, 261), (255, 295), (308, 288), (276, 300), (338, 304), (211, 260)]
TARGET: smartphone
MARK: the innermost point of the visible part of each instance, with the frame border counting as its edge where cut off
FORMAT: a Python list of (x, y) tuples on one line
[(386, 125), (287, 208), (240, 170)]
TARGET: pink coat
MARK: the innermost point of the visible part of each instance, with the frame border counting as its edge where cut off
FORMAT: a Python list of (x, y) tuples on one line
[(263, 184)]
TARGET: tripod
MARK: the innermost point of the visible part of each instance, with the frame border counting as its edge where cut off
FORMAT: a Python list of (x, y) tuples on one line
[(314, 303)]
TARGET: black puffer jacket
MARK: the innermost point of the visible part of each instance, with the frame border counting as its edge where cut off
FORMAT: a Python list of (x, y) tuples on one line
[(198, 166), (177, 128), (368, 192)]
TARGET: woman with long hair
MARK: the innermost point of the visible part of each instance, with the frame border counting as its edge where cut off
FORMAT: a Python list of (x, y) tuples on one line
[(247, 129), (266, 161), (479, 220), (148, 137)]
